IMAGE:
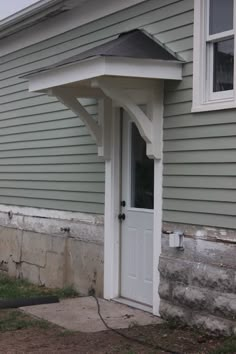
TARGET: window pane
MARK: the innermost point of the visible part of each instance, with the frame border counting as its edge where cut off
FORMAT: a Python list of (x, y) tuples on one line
[(142, 173), (223, 65), (221, 16)]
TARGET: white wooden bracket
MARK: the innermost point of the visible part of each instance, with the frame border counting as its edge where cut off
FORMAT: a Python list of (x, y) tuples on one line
[(100, 130), (150, 124)]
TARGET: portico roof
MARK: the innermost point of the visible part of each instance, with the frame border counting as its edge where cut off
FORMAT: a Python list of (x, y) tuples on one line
[(131, 54), (126, 72)]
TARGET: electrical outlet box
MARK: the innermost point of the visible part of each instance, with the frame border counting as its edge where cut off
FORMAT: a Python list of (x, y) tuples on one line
[(174, 240)]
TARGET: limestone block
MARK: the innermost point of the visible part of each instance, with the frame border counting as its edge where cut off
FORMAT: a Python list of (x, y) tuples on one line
[(164, 289), (225, 306), (215, 325), (12, 267), (52, 275), (34, 248), (85, 266), (10, 244), (172, 312), (204, 275), (191, 297), (174, 269), (30, 272), (59, 244), (3, 266)]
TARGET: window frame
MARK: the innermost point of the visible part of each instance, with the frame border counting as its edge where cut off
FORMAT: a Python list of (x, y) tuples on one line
[(204, 99)]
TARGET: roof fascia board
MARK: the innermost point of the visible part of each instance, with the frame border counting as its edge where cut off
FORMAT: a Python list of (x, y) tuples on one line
[(101, 66), (27, 12), (28, 21), (83, 14), (68, 74), (144, 68)]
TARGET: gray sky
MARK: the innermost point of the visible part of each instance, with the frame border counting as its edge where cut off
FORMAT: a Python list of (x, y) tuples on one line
[(9, 7)]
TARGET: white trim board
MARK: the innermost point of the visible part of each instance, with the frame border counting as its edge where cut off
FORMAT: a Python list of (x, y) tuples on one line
[(203, 97), (112, 205), (65, 22), (105, 66)]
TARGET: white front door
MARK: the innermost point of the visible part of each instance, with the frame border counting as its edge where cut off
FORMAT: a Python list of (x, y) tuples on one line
[(136, 281)]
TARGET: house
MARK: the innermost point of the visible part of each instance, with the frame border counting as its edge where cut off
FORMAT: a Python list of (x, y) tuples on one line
[(118, 125)]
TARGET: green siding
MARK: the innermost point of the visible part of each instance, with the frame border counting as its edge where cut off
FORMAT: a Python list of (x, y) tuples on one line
[(199, 153), (48, 159)]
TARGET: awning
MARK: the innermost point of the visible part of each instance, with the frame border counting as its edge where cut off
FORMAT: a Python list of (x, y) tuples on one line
[(126, 70)]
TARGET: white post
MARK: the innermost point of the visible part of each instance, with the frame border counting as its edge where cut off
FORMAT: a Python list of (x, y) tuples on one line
[(111, 224), (155, 112), (157, 232)]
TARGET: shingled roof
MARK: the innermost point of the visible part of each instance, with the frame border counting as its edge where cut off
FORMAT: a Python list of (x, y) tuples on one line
[(134, 44)]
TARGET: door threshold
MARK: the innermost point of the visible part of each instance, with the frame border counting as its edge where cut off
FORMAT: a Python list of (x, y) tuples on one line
[(136, 305)]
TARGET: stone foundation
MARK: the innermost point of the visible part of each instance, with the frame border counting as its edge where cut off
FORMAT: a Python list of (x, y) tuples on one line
[(198, 284), (40, 250), (57, 249)]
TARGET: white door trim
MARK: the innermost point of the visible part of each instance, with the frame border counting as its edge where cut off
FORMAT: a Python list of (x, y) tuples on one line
[(112, 204), (112, 209)]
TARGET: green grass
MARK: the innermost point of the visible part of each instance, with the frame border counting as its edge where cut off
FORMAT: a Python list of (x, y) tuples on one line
[(11, 288), (228, 347), (12, 320)]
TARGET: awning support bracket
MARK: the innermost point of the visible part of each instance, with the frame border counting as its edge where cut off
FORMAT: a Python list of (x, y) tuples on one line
[(75, 106), (147, 124), (100, 130)]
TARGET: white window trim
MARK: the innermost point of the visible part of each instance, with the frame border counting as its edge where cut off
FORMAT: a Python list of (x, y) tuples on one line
[(202, 101)]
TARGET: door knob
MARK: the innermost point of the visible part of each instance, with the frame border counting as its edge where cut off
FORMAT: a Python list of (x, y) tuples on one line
[(121, 217)]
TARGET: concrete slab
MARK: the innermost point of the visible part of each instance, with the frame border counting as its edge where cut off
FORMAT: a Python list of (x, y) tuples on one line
[(80, 314)]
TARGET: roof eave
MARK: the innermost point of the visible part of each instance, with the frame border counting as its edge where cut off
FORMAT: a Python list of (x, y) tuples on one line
[(93, 68), (30, 15)]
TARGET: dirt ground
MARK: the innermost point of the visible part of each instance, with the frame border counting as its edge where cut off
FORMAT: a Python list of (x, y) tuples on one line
[(55, 340), (24, 334)]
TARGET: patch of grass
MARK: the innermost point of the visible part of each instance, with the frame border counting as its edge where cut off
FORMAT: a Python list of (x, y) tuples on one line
[(15, 320), (228, 347), (67, 292), (11, 288)]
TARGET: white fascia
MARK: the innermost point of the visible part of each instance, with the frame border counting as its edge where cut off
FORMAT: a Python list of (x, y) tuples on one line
[(103, 66), (83, 14), (27, 12)]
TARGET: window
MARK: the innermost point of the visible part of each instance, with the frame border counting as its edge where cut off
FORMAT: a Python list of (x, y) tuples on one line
[(214, 50)]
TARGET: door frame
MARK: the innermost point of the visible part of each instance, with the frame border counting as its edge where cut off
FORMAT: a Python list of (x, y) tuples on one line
[(113, 180)]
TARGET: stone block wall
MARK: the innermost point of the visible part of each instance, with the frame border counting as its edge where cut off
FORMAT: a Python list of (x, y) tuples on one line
[(198, 284), (38, 249)]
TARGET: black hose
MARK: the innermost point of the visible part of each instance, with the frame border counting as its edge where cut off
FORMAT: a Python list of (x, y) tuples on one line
[(22, 302), (127, 337)]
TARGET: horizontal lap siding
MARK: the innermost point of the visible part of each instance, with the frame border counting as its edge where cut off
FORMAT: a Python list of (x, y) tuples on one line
[(47, 157), (199, 185)]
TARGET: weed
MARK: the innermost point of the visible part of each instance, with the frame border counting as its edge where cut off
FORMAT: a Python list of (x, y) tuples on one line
[(67, 292), (133, 324), (228, 347), (11, 288), (15, 320)]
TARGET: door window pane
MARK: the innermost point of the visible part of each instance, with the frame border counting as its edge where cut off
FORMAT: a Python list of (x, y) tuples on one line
[(221, 16), (142, 172), (223, 65)]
